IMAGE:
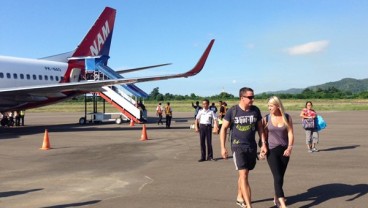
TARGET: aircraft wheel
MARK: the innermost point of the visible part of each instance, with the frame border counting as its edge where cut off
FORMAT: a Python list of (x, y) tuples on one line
[(118, 121), (82, 120)]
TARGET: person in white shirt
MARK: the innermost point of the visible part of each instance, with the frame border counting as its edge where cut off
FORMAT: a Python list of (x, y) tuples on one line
[(203, 124)]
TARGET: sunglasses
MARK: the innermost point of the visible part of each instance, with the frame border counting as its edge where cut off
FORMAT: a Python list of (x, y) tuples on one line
[(249, 97)]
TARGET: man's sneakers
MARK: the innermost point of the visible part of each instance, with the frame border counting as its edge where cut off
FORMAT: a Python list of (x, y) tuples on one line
[(208, 159)]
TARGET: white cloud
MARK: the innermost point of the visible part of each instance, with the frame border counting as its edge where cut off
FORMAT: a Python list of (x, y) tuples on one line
[(307, 48), (251, 45)]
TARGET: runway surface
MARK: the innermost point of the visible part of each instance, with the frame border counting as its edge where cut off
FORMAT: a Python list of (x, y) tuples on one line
[(106, 165)]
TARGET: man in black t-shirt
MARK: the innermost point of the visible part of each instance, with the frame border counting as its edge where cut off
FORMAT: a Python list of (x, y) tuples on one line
[(244, 120), (196, 108)]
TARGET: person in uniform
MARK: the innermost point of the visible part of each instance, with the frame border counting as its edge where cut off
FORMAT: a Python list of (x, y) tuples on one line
[(203, 124)]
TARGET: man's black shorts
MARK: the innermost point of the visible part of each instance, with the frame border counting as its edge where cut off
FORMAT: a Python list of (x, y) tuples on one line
[(244, 157)]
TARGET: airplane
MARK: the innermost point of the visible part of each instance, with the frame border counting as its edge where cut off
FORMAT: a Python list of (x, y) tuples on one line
[(30, 83)]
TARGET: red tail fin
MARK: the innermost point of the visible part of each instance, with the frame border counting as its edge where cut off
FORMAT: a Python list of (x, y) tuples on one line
[(98, 39), (95, 43)]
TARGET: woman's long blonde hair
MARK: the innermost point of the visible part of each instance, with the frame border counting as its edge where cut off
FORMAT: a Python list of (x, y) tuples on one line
[(274, 100)]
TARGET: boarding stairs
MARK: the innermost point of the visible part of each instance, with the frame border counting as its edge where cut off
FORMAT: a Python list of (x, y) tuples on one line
[(117, 95), (111, 74), (127, 108)]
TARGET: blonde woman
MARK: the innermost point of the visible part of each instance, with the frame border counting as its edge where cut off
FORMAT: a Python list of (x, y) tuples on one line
[(280, 137)]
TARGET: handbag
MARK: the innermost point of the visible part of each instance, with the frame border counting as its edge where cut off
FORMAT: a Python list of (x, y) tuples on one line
[(308, 123), (321, 123)]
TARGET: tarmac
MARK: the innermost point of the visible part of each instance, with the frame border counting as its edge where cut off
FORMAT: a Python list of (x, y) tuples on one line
[(108, 166)]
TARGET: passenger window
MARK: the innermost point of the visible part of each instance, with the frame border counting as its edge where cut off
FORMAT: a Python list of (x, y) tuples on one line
[(1, 75), (21, 76), (15, 76), (28, 76), (8, 75), (40, 77), (57, 78), (46, 77), (34, 77), (52, 78)]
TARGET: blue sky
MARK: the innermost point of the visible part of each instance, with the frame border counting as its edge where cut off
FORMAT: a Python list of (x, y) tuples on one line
[(266, 45)]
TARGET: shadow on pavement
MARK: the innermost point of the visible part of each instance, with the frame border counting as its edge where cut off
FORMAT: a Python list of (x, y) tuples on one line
[(339, 148), (75, 204), (13, 193), (16, 132), (319, 194)]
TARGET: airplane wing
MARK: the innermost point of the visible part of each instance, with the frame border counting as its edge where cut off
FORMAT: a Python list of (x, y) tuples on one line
[(56, 90), (123, 71)]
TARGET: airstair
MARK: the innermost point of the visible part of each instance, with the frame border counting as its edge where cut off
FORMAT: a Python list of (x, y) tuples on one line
[(111, 74), (126, 107), (116, 95)]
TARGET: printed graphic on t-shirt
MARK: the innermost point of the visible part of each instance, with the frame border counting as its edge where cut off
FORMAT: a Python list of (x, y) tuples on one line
[(245, 123), (245, 119), (244, 126)]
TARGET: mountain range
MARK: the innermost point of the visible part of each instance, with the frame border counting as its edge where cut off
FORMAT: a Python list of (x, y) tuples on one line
[(345, 85)]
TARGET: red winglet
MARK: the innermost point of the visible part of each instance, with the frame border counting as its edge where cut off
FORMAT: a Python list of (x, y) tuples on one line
[(200, 64)]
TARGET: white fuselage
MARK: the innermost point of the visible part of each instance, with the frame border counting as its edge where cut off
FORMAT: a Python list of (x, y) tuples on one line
[(19, 74), (23, 72)]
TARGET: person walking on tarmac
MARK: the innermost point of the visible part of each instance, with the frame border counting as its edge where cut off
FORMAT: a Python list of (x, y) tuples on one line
[(159, 111), (11, 118), (168, 113), (143, 111), (196, 108), (278, 128), (222, 110), (22, 114), (244, 120), (17, 117), (213, 108)]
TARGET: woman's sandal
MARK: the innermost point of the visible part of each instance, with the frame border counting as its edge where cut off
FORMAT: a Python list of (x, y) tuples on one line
[(276, 202), (241, 204)]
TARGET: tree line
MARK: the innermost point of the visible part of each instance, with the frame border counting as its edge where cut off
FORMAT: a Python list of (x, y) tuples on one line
[(319, 93)]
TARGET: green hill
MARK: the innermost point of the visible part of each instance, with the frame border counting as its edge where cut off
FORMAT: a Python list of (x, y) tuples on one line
[(345, 85)]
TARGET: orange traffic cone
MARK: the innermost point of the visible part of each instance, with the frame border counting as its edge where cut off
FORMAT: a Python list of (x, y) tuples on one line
[(131, 122), (46, 141), (144, 133)]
